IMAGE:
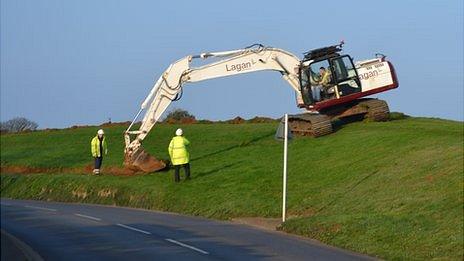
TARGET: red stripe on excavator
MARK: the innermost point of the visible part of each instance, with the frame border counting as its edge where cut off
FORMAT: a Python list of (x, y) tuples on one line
[(325, 104)]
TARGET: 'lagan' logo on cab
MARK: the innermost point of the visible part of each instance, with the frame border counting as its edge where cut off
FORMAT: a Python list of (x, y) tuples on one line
[(368, 75), (238, 67)]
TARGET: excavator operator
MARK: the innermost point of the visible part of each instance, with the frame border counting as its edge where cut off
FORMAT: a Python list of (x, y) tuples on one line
[(325, 77), (324, 82)]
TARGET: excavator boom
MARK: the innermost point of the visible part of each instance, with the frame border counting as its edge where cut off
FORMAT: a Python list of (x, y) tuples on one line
[(339, 96), (169, 86)]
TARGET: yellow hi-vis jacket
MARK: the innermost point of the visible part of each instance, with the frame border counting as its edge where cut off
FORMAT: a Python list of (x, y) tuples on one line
[(95, 146), (326, 78), (178, 151)]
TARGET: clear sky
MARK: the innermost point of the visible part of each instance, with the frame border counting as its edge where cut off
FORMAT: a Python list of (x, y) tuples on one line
[(80, 62)]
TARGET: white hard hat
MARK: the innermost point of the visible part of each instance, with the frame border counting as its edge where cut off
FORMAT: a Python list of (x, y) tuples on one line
[(179, 132), (100, 132)]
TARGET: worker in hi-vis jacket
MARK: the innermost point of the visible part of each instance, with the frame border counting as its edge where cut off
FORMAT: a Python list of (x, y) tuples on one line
[(98, 146), (179, 155)]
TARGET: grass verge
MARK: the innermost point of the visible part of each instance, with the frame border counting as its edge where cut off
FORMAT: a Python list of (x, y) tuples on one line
[(391, 189)]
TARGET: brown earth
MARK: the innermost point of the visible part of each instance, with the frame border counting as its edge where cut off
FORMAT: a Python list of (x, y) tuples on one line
[(188, 121), (263, 223), (116, 171), (205, 122), (258, 119), (181, 121), (78, 126), (236, 120)]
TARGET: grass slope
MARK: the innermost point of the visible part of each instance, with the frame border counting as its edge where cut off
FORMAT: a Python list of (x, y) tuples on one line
[(391, 189)]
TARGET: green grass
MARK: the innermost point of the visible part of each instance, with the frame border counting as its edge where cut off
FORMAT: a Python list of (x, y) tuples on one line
[(392, 189)]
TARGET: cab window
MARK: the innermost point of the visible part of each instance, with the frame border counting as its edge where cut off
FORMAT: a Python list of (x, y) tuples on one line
[(317, 71), (343, 68), (345, 76)]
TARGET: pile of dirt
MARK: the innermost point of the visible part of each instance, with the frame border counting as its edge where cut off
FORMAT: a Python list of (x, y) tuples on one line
[(236, 120), (109, 170), (188, 121), (78, 127), (258, 119), (206, 122), (181, 121), (51, 129)]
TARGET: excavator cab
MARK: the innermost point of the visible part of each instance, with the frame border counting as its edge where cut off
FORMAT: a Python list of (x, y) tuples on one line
[(325, 75)]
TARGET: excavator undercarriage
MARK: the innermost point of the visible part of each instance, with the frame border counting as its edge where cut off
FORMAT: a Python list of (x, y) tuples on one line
[(320, 124)]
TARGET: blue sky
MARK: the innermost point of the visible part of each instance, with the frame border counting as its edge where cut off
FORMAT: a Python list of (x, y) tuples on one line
[(80, 62)]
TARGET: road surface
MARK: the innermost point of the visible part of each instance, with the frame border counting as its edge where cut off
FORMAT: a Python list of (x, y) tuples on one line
[(64, 231)]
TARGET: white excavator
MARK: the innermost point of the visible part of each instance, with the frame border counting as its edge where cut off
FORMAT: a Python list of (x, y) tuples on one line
[(327, 83)]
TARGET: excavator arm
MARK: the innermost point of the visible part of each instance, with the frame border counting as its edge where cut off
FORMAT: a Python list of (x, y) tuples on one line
[(168, 88)]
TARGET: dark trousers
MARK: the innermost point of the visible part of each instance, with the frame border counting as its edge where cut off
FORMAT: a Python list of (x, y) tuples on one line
[(98, 162), (177, 170)]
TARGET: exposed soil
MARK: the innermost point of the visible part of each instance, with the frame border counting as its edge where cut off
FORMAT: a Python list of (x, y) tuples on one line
[(264, 223), (109, 170), (78, 127), (258, 119), (205, 122), (236, 120), (181, 121)]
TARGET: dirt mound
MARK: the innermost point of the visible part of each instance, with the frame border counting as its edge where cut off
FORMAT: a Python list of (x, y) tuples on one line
[(51, 129), (206, 122), (78, 127), (188, 121), (258, 119), (236, 120), (109, 170), (181, 121)]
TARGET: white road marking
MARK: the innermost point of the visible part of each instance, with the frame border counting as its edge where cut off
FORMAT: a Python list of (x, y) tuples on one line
[(134, 229), (89, 217), (187, 246), (41, 208)]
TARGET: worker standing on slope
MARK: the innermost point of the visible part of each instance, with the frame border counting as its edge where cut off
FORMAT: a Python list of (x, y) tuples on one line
[(179, 155), (98, 146)]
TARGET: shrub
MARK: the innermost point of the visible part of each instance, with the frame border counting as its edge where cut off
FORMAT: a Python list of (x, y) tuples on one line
[(179, 116), (18, 124)]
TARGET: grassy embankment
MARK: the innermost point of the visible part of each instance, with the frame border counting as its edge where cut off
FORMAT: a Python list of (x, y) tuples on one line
[(392, 190)]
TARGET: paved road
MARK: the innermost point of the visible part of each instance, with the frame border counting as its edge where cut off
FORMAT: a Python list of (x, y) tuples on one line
[(61, 231)]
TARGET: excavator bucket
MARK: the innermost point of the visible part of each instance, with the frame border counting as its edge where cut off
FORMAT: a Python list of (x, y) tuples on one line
[(141, 160)]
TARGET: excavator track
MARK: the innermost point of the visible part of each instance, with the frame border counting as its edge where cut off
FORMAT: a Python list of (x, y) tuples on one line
[(377, 110), (309, 124)]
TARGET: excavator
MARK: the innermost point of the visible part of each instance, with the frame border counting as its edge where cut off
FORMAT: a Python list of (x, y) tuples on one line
[(327, 83)]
